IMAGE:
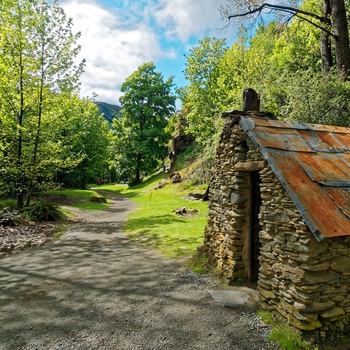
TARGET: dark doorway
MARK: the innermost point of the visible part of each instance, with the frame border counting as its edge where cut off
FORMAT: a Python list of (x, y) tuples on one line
[(254, 226)]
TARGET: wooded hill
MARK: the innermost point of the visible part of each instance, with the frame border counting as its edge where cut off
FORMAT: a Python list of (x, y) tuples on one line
[(109, 111)]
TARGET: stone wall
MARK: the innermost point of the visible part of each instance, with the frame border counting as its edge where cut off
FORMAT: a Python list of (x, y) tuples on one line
[(305, 281), (225, 239)]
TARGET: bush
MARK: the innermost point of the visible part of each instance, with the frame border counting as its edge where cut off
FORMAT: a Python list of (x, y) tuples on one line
[(8, 217), (44, 211)]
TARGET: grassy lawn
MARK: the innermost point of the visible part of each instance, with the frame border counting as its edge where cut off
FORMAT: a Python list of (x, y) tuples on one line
[(154, 222)]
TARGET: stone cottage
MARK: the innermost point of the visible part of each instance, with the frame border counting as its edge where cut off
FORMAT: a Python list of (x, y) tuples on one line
[(279, 215)]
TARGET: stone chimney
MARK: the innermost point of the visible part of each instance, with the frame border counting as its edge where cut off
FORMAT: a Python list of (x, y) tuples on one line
[(251, 101)]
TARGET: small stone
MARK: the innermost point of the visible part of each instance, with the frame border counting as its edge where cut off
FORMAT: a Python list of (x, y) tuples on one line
[(334, 312), (342, 264)]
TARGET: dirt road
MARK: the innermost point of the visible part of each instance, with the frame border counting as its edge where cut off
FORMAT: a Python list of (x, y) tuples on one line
[(95, 289)]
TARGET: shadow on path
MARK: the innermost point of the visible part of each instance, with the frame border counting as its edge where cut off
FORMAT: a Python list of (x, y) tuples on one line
[(96, 289)]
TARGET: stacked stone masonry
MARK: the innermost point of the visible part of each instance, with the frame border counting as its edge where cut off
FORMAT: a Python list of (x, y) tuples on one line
[(305, 281)]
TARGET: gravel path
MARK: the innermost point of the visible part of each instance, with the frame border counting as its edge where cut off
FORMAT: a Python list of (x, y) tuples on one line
[(96, 289)]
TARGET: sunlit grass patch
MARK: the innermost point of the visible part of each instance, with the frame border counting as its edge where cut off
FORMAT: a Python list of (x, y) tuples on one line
[(154, 223)]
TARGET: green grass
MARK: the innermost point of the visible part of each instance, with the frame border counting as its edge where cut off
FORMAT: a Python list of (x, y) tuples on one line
[(80, 198), (286, 336), (154, 223)]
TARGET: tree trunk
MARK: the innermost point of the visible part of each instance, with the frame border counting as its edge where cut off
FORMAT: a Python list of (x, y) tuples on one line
[(326, 48), (19, 180), (38, 130), (341, 43), (138, 169)]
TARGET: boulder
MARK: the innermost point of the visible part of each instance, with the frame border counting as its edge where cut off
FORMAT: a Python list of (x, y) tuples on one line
[(98, 199)]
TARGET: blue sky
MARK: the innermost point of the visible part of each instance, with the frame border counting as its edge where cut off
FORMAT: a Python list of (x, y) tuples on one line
[(120, 35)]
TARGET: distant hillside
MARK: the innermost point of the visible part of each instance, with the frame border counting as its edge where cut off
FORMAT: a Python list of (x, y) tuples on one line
[(110, 111)]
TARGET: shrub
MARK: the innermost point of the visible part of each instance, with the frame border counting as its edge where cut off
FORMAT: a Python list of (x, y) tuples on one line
[(44, 211)]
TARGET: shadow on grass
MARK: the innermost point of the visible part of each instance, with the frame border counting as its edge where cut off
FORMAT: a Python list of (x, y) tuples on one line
[(146, 224), (131, 191), (153, 178), (118, 192)]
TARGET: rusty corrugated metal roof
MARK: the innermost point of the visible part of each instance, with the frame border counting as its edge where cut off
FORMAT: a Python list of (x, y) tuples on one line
[(313, 164)]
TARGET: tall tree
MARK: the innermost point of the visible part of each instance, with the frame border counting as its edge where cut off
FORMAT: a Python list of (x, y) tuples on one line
[(330, 19), (37, 51), (147, 103)]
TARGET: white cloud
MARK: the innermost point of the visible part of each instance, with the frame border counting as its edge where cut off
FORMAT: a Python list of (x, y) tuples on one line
[(117, 36), (111, 52), (186, 18)]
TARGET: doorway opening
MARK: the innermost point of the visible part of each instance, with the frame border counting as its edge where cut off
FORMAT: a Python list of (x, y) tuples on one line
[(254, 226)]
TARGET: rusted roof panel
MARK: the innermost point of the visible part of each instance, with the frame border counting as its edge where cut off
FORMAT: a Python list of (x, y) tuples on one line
[(286, 139), (346, 158), (344, 139), (318, 209), (325, 168), (329, 128), (321, 141), (341, 197), (313, 164)]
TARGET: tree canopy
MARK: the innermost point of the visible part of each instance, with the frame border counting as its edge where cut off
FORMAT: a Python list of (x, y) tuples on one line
[(49, 135), (282, 59), (329, 17)]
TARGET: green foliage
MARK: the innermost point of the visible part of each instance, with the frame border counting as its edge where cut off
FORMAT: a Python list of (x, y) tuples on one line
[(44, 211), (199, 263), (187, 156), (327, 102), (280, 60), (202, 99), (84, 136), (37, 60), (266, 317), (141, 136), (287, 337)]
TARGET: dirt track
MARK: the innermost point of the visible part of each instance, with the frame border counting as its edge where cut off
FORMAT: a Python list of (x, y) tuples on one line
[(95, 289)]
